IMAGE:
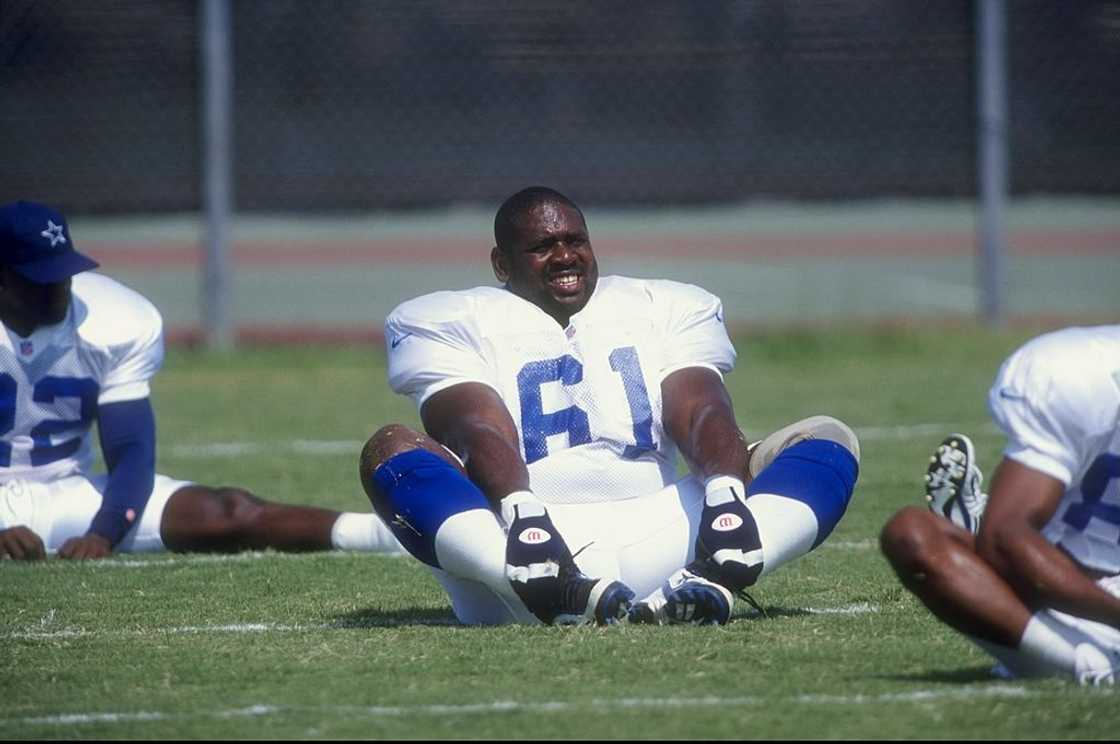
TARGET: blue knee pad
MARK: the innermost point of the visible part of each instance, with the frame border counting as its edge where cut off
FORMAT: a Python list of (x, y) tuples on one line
[(817, 472), (420, 491)]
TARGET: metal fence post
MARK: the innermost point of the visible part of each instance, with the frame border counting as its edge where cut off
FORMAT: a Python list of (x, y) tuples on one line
[(217, 189), (991, 160)]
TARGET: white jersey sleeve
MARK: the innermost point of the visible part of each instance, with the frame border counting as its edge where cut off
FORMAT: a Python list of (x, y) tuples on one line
[(128, 332), (1058, 400), (1050, 406), (433, 342), (692, 327)]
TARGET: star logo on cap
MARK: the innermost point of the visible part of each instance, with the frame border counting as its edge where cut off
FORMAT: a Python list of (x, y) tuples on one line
[(53, 233)]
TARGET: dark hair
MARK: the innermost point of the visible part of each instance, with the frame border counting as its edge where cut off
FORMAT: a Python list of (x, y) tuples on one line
[(506, 222)]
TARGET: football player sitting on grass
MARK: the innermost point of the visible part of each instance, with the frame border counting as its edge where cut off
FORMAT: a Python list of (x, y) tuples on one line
[(78, 347), (545, 487), (1031, 571)]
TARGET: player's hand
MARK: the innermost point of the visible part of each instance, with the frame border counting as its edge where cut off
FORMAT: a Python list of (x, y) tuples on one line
[(537, 560), (21, 544), (728, 535), (86, 547)]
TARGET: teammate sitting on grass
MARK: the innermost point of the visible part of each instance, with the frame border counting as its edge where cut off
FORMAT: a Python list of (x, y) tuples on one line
[(1030, 572), (554, 407), (77, 348)]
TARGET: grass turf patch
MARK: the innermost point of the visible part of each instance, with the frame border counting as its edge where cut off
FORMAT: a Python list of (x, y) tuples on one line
[(266, 645)]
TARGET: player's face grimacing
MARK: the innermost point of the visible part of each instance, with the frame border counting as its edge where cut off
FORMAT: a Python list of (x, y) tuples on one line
[(26, 305), (550, 262)]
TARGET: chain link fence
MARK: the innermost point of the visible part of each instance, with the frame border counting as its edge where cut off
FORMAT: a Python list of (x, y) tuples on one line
[(374, 105)]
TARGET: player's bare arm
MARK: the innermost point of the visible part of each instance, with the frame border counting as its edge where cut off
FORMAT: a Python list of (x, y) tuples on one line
[(1021, 502), (471, 420), (699, 417)]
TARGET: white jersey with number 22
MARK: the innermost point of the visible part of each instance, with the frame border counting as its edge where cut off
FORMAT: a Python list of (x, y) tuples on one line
[(53, 381)]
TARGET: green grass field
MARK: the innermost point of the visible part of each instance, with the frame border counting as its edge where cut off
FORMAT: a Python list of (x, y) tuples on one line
[(266, 645)]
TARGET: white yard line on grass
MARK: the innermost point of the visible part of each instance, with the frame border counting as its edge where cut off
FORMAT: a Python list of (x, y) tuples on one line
[(332, 447), (861, 608), (868, 544), (916, 431), (246, 556), (964, 692), (218, 450), (42, 631)]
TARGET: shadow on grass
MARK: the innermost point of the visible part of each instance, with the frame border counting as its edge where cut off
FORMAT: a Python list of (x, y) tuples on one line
[(947, 676), (371, 618)]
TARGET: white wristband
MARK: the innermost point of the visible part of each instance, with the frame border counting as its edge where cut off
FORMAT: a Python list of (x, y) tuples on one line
[(526, 500), (717, 483)]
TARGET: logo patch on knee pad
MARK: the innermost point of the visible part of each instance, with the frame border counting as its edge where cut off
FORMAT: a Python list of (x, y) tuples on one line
[(534, 536)]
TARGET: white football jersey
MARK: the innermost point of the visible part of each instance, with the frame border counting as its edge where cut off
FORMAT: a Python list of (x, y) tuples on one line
[(1058, 400), (51, 383), (586, 399)]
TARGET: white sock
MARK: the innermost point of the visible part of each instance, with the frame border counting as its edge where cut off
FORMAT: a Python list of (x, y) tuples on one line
[(786, 528), (1049, 642), (1046, 648), (353, 531), (472, 545)]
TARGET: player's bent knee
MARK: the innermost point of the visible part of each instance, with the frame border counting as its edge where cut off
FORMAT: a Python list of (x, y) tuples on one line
[(908, 537), (241, 510), (846, 437), (390, 441), (204, 518), (820, 473), (385, 442), (833, 430), (415, 492), (824, 428)]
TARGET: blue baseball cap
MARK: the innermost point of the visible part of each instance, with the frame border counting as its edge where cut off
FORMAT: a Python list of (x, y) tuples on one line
[(35, 242)]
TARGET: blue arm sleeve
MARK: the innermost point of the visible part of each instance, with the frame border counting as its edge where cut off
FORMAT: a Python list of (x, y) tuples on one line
[(128, 442)]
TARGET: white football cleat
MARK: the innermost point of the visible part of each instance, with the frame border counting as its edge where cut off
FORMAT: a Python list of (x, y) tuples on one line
[(953, 483), (1094, 666), (686, 598)]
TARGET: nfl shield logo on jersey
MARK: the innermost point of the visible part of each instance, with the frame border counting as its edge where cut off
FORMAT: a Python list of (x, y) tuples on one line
[(26, 348)]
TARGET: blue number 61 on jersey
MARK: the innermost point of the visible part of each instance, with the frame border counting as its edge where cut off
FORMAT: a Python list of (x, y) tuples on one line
[(537, 426)]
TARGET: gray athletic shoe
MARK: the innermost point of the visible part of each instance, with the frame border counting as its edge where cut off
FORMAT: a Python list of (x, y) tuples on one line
[(953, 483)]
